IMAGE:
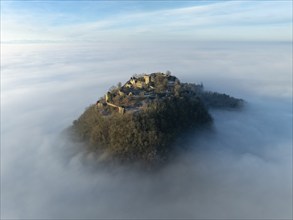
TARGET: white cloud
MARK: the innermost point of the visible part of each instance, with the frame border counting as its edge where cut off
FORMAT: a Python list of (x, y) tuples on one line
[(243, 169), (207, 22)]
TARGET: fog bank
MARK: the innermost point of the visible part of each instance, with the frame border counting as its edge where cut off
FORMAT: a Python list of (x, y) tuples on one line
[(241, 169)]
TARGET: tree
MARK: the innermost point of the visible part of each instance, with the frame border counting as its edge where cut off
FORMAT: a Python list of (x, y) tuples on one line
[(161, 83), (168, 73), (177, 88), (113, 89)]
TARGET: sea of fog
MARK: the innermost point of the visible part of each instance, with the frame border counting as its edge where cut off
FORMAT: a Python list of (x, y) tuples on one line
[(240, 169)]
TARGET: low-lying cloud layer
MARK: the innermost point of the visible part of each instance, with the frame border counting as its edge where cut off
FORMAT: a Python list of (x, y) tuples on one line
[(242, 169)]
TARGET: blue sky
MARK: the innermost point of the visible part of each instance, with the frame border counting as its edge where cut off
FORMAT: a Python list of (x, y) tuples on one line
[(89, 21)]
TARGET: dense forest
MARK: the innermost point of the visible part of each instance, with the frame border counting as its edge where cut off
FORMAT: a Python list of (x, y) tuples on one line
[(139, 120)]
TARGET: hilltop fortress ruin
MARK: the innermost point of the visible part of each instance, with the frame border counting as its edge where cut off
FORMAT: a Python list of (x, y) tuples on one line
[(140, 90)]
